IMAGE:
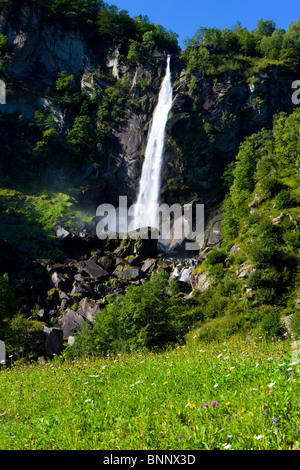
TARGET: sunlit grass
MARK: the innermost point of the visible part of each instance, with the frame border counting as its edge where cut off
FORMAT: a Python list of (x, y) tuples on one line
[(233, 395)]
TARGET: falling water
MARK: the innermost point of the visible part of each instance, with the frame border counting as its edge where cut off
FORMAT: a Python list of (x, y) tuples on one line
[(146, 207)]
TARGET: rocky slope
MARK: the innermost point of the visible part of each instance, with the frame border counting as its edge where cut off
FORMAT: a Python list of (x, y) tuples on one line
[(210, 117), (195, 155)]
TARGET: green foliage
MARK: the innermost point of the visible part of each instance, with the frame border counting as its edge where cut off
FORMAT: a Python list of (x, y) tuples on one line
[(145, 317), (24, 338), (82, 138), (198, 397), (5, 46), (272, 325), (295, 323), (7, 299), (215, 51), (64, 82), (271, 186), (283, 200), (113, 106), (216, 257)]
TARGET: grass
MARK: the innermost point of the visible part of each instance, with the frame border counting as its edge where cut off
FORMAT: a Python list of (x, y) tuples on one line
[(235, 395), (29, 214)]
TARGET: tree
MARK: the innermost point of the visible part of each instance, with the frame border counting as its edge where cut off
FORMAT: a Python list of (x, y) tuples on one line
[(64, 82), (7, 303), (271, 46), (287, 136), (82, 138), (247, 43), (264, 28)]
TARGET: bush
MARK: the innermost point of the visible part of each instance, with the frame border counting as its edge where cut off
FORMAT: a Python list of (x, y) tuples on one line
[(283, 200), (7, 300), (216, 257), (222, 328), (295, 323), (24, 338), (271, 186), (256, 278), (145, 317), (272, 325)]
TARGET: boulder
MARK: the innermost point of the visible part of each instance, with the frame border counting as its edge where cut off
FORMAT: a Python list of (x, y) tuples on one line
[(93, 270), (149, 266), (127, 273), (69, 322), (71, 243), (58, 280), (80, 288), (107, 263), (245, 270), (202, 281), (88, 309), (54, 340)]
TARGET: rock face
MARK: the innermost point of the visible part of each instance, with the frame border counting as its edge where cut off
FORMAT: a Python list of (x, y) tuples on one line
[(195, 154)]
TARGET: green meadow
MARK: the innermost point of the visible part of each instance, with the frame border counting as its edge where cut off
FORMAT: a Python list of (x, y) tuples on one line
[(235, 395)]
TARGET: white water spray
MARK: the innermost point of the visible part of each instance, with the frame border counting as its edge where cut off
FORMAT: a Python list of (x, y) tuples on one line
[(146, 207)]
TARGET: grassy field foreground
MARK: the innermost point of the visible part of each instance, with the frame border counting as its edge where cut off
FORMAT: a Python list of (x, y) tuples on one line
[(235, 395)]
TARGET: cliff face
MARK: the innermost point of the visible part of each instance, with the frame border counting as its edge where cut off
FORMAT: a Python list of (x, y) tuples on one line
[(206, 125)]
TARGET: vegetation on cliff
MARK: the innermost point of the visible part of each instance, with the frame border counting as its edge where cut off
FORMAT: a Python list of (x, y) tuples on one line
[(220, 108)]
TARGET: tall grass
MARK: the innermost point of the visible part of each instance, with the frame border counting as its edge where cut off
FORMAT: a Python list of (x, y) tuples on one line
[(235, 395)]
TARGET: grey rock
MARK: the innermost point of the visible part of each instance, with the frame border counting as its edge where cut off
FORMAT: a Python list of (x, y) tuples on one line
[(129, 273), (88, 309), (149, 266), (58, 280), (107, 263), (54, 340), (69, 322), (94, 270)]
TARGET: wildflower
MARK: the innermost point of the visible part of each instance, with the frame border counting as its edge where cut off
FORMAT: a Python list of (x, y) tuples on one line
[(214, 403), (294, 448), (165, 383), (206, 405), (258, 437), (271, 384), (226, 446), (243, 410), (216, 385), (228, 403), (156, 412), (180, 437), (270, 392)]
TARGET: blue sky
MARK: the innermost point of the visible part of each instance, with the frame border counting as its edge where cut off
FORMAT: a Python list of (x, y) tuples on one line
[(185, 17)]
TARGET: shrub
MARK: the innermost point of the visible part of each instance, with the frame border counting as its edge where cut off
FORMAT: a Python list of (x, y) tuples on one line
[(295, 323), (271, 186), (222, 328), (283, 200), (7, 300), (272, 325), (145, 317), (292, 239), (24, 338), (216, 257), (256, 278)]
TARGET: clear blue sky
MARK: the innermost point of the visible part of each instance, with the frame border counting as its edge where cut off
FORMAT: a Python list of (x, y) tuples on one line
[(185, 17)]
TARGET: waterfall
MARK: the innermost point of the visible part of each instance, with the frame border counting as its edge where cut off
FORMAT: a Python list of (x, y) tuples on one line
[(146, 207)]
